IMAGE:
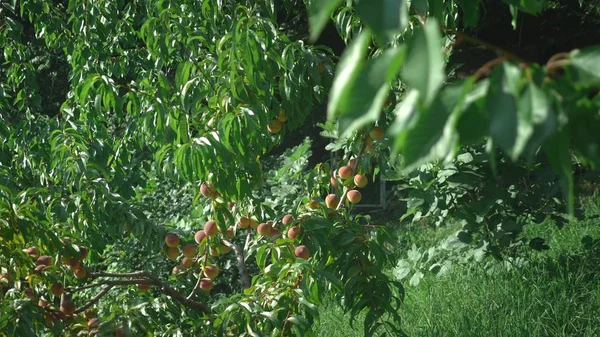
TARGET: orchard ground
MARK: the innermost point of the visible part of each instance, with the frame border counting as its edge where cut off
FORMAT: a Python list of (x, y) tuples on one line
[(556, 293)]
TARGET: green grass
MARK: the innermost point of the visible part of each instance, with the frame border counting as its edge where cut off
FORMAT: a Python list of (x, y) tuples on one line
[(557, 294)]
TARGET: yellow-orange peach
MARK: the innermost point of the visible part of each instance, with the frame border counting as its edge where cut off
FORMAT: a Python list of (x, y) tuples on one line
[(354, 196), (332, 200), (360, 180), (345, 172), (172, 240)]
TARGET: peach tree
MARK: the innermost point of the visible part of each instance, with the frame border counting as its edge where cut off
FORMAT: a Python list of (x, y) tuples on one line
[(106, 106)]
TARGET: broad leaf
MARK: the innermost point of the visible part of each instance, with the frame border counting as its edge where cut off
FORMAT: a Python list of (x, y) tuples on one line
[(319, 12), (433, 135), (501, 104), (424, 65), (348, 70), (558, 153), (367, 93), (528, 6), (385, 17), (584, 68)]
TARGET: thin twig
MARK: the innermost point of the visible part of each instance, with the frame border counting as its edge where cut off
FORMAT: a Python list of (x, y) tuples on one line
[(499, 50), (94, 300), (105, 274), (554, 65), (558, 56), (197, 285), (486, 69)]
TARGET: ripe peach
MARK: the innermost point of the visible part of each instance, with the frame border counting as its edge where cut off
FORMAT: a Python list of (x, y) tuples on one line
[(33, 252), (229, 234), (44, 260), (345, 172), (360, 180), (333, 182), (332, 200), (73, 263), (211, 271), (29, 293), (243, 222), (275, 231), (199, 236), (293, 232), (302, 252), (67, 307), (313, 204), (253, 223), (354, 196), (210, 228), (376, 133), (80, 273), (93, 323), (207, 189), (187, 262), (206, 284), (172, 240), (274, 127), (83, 252), (264, 229), (39, 268), (43, 303), (287, 219), (57, 289), (176, 270), (143, 287), (189, 250), (172, 253), (331, 215)]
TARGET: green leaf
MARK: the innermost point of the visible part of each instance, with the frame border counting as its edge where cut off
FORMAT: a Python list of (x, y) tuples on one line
[(557, 151), (424, 66), (501, 104), (366, 95), (537, 120), (182, 73), (584, 67), (386, 18), (348, 70), (433, 135), (319, 13), (470, 12), (474, 115), (300, 320), (528, 6)]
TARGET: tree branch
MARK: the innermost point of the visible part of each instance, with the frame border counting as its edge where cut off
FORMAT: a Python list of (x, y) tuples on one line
[(94, 300), (241, 265), (140, 277)]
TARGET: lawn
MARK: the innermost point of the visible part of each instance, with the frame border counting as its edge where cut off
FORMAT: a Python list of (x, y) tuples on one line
[(555, 294)]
